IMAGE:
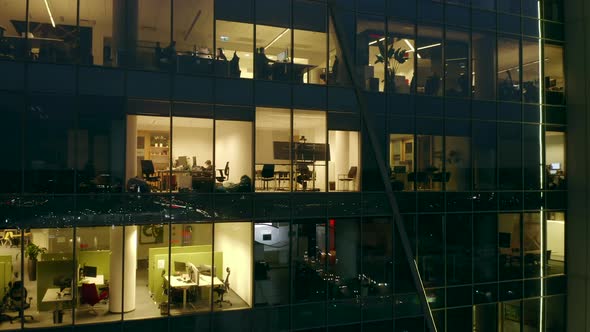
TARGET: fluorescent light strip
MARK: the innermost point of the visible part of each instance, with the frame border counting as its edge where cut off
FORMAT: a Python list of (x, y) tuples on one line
[(428, 46), (412, 49), (49, 12), (277, 38), (375, 41)]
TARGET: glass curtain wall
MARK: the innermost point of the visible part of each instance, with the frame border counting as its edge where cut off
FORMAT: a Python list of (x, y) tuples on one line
[(371, 52), (192, 48), (401, 54)]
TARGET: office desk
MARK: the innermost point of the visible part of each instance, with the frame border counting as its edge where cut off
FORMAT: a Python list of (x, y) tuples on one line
[(98, 280), (204, 281), (280, 71), (51, 296)]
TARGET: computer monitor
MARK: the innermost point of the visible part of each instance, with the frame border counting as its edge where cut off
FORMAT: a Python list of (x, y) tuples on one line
[(504, 239), (556, 166), (182, 161), (62, 282), (179, 266), (89, 271), (207, 270)]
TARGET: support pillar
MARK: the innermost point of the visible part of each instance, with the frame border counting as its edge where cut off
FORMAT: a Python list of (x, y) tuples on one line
[(122, 283)]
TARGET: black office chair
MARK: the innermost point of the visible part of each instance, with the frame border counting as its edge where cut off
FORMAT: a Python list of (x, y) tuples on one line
[(223, 173), (18, 299), (349, 178), (267, 175), (148, 171), (223, 289)]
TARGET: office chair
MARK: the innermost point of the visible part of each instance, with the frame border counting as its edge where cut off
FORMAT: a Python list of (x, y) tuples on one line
[(223, 289), (223, 173), (147, 170), (267, 175), (349, 178), (90, 295), (17, 296)]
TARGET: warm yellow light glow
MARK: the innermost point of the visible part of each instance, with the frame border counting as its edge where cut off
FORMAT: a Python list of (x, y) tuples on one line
[(49, 12)]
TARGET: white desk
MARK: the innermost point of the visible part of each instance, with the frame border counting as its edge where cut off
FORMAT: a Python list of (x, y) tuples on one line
[(53, 295), (204, 281), (98, 280)]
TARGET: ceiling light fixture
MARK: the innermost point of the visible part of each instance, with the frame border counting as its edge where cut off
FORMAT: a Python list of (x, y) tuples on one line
[(375, 41), (409, 45), (428, 46), (49, 12), (277, 38)]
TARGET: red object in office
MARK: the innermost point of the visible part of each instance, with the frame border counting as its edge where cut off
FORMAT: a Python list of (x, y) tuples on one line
[(90, 294)]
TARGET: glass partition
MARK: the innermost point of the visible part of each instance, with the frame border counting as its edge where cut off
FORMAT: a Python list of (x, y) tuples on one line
[(510, 246), (309, 150), (233, 155)]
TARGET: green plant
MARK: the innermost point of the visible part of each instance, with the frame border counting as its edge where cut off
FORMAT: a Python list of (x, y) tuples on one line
[(392, 58), (32, 251)]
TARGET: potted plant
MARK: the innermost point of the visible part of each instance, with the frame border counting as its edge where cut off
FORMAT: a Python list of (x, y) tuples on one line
[(392, 58), (32, 251)]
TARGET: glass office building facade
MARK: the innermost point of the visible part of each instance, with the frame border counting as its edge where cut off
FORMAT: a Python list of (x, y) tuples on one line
[(297, 159)]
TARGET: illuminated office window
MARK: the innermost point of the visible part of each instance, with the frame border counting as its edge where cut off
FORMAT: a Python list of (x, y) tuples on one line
[(96, 29), (310, 151), (192, 156), (371, 52), (401, 57), (532, 245), (555, 253), (192, 38), (554, 74), (148, 153), (531, 78), (97, 252), (555, 163), (429, 163), (310, 42), (337, 73), (457, 155), (234, 56), (401, 154), (12, 41), (151, 48), (483, 46), (509, 87), (429, 56), (273, 143), (344, 163), (233, 261), (233, 155), (273, 53), (49, 283), (271, 263)]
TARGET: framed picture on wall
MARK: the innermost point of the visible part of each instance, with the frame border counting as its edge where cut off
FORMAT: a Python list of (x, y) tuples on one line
[(151, 234), (408, 147)]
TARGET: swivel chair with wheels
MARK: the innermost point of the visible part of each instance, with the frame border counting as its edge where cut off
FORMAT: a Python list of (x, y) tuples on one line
[(223, 289), (148, 171), (90, 295), (349, 177), (17, 297), (223, 173)]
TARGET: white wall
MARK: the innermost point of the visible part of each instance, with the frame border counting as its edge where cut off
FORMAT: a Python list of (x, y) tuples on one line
[(555, 149), (233, 141), (235, 241), (189, 141), (555, 239)]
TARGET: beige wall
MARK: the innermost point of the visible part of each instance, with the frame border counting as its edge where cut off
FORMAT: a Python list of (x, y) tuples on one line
[(235, 241)]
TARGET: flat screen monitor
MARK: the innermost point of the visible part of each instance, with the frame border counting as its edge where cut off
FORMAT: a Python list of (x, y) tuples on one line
[(62, 282), (183, 161), (90, 271), (179, 266), (207, 270), (556, 166)]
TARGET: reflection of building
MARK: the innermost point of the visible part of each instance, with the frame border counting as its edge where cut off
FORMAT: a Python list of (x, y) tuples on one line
[(134, 146)]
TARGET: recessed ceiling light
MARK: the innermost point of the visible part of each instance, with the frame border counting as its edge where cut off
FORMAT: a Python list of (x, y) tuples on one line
[(247, 54), (224, 38)]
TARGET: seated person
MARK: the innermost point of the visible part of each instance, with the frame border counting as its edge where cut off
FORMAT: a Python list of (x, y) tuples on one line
[(208, 166), (261, 64), (304, 174)]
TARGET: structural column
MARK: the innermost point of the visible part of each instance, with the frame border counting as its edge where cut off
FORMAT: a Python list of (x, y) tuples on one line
[(125, 30), (122, 284)]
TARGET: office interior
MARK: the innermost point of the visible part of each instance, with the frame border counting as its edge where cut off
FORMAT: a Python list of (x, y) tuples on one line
[(108, 273), (294, 151)]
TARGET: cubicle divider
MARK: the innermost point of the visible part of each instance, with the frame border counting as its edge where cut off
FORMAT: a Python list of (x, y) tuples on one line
[(197, 258), (47, 271), (5, 273), (155, 282), (59, 256)]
